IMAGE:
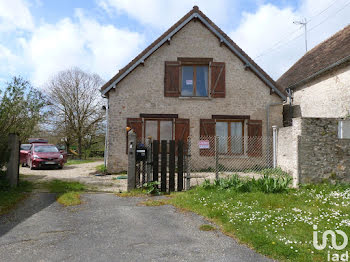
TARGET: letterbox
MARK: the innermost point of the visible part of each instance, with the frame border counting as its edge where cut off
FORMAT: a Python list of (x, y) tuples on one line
[(141, 152)]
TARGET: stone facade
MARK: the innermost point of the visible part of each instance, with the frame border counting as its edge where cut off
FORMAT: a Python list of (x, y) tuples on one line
[(321, 154), (311, 151), (142, 91), (326, 96)]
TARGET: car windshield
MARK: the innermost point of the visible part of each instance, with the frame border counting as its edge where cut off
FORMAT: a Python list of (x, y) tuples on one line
[(45, 149), (25, 147)]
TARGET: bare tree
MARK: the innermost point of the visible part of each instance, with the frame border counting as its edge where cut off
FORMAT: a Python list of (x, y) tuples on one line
[(76, 104)]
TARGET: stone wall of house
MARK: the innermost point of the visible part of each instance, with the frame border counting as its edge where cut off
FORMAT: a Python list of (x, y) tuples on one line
[(327, 96), (142, 91), (322, 155), (311, 151), (287, 149)]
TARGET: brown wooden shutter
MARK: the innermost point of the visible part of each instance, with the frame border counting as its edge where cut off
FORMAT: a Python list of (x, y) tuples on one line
[(217, 86), (254, 138), (172, 79), (136, 125), (207, 132), (182, 129)]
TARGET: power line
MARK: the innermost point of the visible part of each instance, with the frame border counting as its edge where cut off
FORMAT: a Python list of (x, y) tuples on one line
[(278, 45)]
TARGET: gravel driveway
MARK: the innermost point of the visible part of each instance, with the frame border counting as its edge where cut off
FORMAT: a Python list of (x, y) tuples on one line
[(83, 173), (110, 228)]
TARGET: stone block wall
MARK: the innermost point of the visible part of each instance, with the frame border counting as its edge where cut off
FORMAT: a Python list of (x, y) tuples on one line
[(322, 155), (311, 151)]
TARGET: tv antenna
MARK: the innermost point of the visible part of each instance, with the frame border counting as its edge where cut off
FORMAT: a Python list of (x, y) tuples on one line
[(304, 24)]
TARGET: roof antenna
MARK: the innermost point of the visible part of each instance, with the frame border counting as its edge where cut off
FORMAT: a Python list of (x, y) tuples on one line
[(304, 24)]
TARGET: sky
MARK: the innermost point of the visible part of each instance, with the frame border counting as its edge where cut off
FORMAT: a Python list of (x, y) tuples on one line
[(39, 38)]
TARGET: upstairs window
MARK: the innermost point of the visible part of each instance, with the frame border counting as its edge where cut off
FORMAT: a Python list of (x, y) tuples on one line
[(194, 77), (195, 80)]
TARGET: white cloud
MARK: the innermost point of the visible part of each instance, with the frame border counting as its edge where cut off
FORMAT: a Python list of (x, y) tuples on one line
[(162, 14), (270, 31), (97, 48), (15, 14), (8, 60)]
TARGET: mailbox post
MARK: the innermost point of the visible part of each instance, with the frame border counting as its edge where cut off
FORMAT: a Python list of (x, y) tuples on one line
[(131, 160)]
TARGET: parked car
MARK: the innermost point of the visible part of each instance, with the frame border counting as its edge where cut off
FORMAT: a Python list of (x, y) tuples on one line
[(24, 149), (44, 155), (63, 151), (37, 140)]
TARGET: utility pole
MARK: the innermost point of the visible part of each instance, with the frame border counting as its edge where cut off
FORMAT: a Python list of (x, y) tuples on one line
[(304, 24)]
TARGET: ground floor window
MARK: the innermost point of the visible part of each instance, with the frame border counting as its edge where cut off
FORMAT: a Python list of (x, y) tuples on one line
[(159, 129), (230, 133)]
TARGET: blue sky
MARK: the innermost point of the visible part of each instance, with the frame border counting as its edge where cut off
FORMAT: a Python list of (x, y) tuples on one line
[(41, 37)]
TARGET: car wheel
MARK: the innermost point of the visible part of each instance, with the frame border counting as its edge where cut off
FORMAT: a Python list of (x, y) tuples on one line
[(60, 167)]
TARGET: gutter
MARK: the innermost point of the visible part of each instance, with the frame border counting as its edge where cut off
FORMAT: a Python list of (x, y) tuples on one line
[(222, 40), (320, 72)]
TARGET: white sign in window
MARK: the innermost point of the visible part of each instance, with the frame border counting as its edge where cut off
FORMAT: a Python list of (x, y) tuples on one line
[(344, 129), (204, 144)]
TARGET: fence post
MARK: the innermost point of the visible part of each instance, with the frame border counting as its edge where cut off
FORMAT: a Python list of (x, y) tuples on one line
[(149, 159), (216, 158), (274, 142), (131, 160), (12, 172), (188, 164)]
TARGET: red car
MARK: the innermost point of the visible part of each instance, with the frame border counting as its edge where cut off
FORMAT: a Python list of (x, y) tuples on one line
[(44, 155), (24, 150)]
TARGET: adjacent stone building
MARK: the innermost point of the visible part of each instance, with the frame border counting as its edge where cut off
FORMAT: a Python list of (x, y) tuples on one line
[(192, 81), (315, 144)]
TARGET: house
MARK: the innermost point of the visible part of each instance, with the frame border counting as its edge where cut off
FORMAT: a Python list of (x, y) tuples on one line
[(320, 81), (192, 81), (315, 145)]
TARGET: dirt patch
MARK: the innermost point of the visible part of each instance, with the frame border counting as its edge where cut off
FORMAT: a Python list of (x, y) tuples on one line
[(83, 173)]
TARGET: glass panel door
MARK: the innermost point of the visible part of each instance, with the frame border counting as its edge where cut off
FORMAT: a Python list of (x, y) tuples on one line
[(222, 133), (236, 138), (166, 130), (151, 129)]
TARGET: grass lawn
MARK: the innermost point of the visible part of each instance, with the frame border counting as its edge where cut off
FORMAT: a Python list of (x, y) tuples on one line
[(9, 197), (68, 193), (79, 161), (279, 225)]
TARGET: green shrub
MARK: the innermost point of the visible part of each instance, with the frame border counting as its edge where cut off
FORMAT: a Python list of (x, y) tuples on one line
[(273, 184), (266, 184), (152, 188)]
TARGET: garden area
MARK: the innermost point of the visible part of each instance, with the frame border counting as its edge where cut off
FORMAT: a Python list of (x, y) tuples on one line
[(269, 216)]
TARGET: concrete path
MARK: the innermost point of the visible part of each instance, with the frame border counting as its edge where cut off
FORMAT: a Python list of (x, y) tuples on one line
[(110, 228)]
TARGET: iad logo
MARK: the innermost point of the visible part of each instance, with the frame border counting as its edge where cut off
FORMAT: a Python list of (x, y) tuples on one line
[(334, 239), (335, 256)]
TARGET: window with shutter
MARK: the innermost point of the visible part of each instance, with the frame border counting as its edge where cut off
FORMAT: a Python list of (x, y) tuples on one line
[(207, 132), (254, 138), (136, 125), (172, 79), (217, 85)]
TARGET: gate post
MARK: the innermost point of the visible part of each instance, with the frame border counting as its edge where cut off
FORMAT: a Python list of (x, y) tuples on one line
[(12, 172), (131, 160), (188, 164), (274, 139), (216, 158), (149, 160)]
